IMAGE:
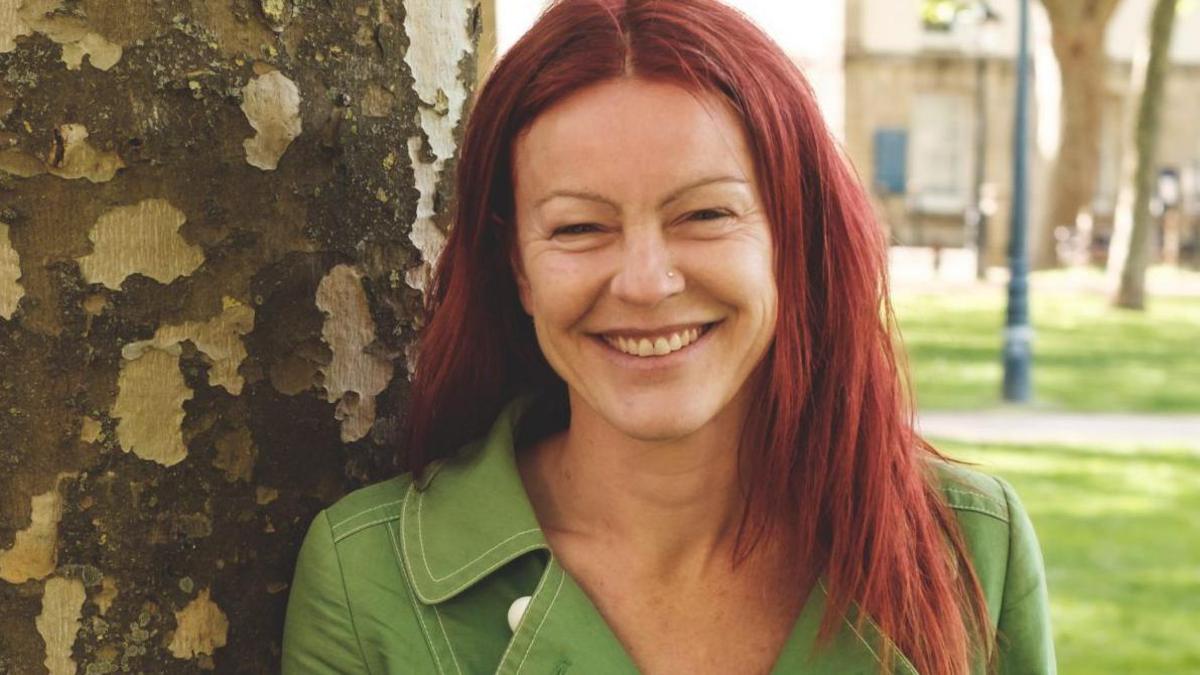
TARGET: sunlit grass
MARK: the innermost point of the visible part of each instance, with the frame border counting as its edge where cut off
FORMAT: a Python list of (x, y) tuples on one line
[(1121, 538), (1087, 355)]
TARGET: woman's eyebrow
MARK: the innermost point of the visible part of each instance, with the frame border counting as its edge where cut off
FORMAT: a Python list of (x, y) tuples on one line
[(675, 194), (679, 192), (578, 194)]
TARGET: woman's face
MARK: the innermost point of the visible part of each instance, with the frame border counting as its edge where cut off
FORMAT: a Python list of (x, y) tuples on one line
[(639, 226)]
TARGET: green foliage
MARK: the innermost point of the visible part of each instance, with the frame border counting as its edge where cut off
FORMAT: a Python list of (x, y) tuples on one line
[(1087, 356), (1121, 541), (941, 14)]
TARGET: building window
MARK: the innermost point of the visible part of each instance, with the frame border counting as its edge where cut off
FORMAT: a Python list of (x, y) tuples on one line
[(940, 161), (891, 161)]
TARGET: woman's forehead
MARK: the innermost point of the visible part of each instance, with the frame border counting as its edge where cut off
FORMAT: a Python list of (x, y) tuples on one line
[(631, 130)]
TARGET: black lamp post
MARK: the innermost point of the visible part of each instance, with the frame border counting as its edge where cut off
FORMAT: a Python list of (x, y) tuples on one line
[(1018, 333)]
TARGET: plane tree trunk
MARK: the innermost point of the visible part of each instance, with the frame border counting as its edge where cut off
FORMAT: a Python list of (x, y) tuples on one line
[(1131, 242), (216, 220), (1077, 36)]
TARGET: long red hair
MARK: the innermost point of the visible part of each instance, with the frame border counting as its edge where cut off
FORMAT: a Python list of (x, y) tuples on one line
[(836, 467)]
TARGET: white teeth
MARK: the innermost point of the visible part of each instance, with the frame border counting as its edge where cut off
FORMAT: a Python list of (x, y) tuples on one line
[(660, 346), (645, 348)]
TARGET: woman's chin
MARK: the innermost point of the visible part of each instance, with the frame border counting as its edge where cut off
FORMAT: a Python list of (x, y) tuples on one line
[(651, 415), (659, 425)]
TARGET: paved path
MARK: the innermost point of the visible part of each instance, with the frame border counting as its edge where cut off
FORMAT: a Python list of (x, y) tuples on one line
[(1026, 426)]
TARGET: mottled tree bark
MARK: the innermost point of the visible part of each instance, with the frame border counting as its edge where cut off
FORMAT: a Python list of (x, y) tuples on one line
[(1077, 36), (216, 222), (1131, 240)]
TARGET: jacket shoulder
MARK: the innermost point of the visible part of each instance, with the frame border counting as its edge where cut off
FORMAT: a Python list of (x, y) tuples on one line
[(372, 505), (1008, 563), (968, 490), (351, 607)]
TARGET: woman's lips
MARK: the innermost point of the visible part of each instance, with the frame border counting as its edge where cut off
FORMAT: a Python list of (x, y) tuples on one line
[(654, 361)]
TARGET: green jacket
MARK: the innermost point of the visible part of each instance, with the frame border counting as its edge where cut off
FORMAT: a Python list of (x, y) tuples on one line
[(405, 578)]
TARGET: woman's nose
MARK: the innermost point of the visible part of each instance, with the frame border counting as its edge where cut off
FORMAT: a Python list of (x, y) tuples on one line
[(645, 273)]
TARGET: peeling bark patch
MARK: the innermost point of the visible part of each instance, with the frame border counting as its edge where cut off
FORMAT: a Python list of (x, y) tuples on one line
[(437, 32), (101, 53), (354, 376), (90, 430), (219, 339), (438, 39), (201, 628), (265, 495), (151, 390), (377, 102), (139, 239), (236, 455), (11, 25), (70, 156), (72, 33), (274, 11), (62, 605), (424, 234), (95, 304), (73, 157), (271, 103), (108, 593), (149, 407), (11, 290), (20, 164), (34, 553)]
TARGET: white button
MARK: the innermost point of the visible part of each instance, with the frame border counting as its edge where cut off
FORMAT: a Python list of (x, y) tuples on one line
[(517, 610)]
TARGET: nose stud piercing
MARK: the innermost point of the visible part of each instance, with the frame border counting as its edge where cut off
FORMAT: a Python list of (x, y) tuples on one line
[(670, 275)]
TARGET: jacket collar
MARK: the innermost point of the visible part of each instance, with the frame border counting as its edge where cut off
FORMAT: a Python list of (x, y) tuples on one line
[(471, 514)]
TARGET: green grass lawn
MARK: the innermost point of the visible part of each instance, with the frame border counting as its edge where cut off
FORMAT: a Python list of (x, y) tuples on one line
[(1087, 355), (1120, 532)]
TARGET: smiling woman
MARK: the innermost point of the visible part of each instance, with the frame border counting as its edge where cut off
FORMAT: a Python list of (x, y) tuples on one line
[(656, 419)]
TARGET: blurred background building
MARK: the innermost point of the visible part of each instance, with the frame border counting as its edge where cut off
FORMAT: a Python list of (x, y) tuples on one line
[(914, 88)]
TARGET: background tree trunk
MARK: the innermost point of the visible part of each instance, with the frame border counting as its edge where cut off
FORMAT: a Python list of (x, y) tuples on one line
[(216, 218), (1077, 36), (1131, 241)]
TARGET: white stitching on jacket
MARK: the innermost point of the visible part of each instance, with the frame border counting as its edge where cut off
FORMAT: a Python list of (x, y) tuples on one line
[(532, 599), (417, 610), (421, 541), (343, 521), (562, 576)]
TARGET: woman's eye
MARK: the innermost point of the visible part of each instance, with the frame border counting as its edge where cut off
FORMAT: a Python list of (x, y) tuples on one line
[(578, 228), (709, 214)]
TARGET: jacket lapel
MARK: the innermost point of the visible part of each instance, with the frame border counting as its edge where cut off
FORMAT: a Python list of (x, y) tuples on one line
[(470, 517), (563, 632), (851, 651)]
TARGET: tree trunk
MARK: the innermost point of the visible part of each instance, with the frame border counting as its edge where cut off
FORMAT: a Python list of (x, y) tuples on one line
[(1077, 29), (1131, 241), (215, 226)]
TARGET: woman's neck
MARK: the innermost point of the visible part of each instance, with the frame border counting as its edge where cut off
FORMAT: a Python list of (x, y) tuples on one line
[(671, 507)]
